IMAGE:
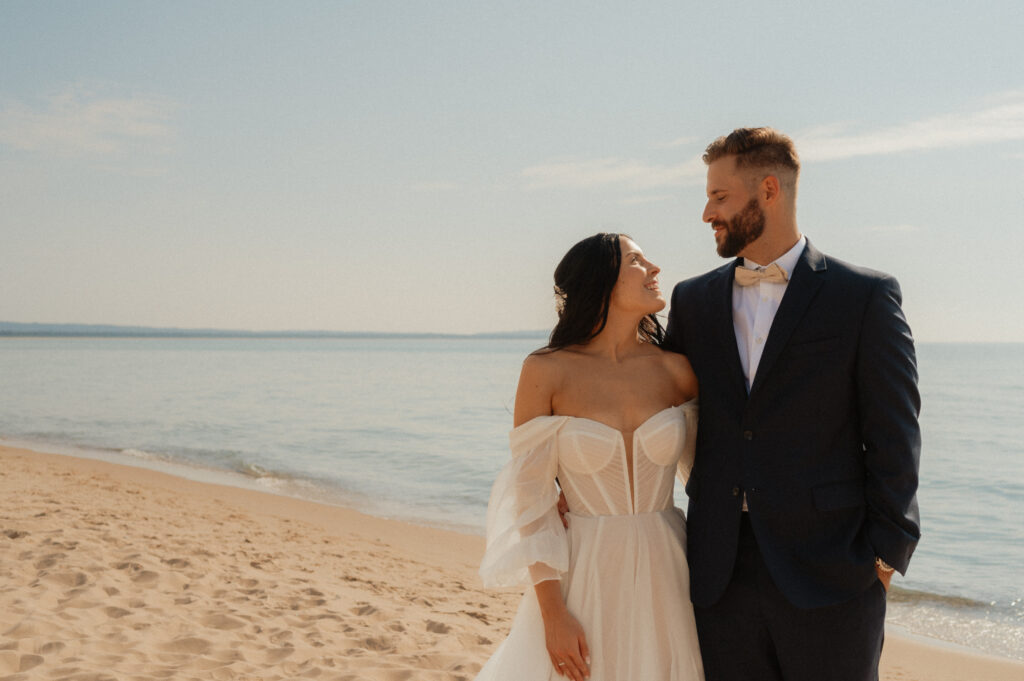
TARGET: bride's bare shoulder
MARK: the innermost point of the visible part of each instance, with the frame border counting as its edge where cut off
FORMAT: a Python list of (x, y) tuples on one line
[(549, 358), (678, 367), (541, 377), (545, 362), (547, 371), (673, 360)]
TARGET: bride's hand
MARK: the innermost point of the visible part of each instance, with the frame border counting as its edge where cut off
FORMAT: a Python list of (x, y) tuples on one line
[(567, 646)]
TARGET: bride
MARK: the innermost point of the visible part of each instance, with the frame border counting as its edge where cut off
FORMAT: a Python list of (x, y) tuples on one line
[(612, 417)]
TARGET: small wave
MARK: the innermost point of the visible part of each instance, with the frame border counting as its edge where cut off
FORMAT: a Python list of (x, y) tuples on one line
[(984, 631), (262, 473), (992, 627), (143, 454), (913, 596), (254, 470), (297, 487)]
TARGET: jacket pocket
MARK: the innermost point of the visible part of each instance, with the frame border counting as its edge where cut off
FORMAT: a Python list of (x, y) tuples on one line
[(813, 347), (830, 496)]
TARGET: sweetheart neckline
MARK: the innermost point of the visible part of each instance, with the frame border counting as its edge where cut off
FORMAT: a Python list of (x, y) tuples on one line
[(602, 423)]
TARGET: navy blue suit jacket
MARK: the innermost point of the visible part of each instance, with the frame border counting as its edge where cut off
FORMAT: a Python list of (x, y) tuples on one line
[(825, 446)]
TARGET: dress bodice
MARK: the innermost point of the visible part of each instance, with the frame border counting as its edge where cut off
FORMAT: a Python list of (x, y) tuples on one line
[(525, 538), (593, 467)]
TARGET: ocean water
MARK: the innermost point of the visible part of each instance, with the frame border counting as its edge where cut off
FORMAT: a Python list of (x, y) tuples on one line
[(416, 429)]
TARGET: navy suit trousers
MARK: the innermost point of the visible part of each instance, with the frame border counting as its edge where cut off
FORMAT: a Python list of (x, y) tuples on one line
[(753, 633)]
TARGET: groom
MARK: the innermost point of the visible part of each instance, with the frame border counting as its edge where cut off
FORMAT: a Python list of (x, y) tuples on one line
[(802, 496)]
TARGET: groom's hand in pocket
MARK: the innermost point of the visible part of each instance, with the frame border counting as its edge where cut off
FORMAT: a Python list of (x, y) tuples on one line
[(885, 577)]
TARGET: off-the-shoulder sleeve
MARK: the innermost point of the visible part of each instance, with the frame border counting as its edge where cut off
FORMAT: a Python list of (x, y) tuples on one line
[(526, 542), (685, 466)]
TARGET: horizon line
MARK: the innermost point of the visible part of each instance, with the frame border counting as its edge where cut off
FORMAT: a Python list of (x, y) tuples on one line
[(46, 329), (49, 330)]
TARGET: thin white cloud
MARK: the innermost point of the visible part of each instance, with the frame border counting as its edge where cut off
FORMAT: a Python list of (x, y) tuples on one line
[(892, 229), (606, 172), (681, 142), (654, 198), (1001, 121), (436, 186), (81, 122)]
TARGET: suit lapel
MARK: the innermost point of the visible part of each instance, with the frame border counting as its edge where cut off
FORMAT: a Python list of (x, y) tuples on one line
[(807, 278), (725, 331)]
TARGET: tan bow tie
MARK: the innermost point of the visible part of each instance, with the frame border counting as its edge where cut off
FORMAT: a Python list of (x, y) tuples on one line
[(773, 274)]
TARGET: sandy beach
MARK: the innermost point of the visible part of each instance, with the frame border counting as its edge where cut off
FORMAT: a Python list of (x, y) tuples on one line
[(121, 573)]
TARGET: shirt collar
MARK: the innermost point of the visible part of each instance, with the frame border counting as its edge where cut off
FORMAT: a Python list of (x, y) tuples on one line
[(786, 261)]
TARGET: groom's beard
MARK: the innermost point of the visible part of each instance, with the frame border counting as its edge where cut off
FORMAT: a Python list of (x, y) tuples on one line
[(742, 229)]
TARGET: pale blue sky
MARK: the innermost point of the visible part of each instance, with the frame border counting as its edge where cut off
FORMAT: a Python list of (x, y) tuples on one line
[(422, 166)]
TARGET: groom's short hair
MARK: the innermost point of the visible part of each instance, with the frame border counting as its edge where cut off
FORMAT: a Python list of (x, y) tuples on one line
[(764, 149)]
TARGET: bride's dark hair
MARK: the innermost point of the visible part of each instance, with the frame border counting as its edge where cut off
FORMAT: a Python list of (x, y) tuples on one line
[(584, 280)]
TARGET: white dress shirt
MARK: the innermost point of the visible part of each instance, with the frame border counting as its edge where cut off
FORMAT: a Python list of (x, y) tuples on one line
[(753, 311), (754, 308)]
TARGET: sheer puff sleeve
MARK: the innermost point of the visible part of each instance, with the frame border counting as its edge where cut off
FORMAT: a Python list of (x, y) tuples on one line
[(685, 466), (526, 542)]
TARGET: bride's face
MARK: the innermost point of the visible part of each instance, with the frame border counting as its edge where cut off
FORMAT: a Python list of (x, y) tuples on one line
[(637, 287)]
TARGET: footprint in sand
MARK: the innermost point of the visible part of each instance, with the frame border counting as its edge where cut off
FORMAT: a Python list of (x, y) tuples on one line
[(379, 643), (116, 613), (177, 563), (187, 644), (129, 565), (77, 604), (51, 648), (145, 578), (280, 637), (68, 579), (396, 675), (476, 615), (275, 655), (24, 629), (222, 621), (437, 627), (363, 610), (48, 561), (11, 661)]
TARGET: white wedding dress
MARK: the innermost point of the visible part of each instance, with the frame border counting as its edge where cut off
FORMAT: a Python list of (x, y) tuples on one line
[(622, 562)]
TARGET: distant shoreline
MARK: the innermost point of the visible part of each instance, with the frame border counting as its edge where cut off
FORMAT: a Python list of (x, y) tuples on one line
[(38, 330), (34, 330)]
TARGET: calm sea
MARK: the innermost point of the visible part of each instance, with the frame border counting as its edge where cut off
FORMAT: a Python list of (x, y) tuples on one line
[(417, 429)]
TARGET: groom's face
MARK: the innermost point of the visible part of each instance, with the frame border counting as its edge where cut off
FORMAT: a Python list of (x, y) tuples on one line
[(732, 208)]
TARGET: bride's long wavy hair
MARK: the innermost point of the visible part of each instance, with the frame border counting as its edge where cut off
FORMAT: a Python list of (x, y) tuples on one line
[(584, 280)]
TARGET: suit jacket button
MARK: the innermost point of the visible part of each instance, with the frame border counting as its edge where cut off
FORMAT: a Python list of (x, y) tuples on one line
[(748, 435), (735, 491)]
